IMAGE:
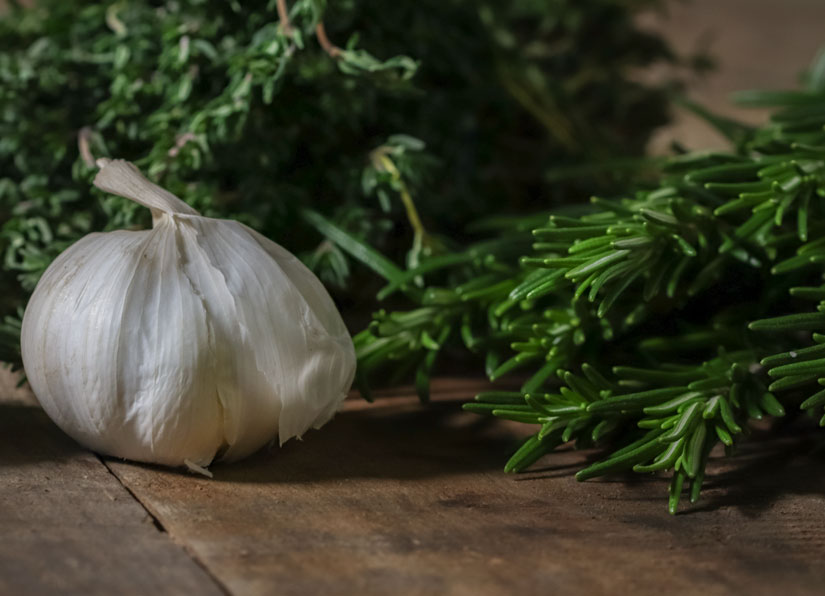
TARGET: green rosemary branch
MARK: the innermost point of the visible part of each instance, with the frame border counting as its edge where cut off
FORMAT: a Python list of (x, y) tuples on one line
[(668, 287)]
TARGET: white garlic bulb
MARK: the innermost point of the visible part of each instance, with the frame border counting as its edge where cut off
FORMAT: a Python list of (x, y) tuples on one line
[(196, 340)]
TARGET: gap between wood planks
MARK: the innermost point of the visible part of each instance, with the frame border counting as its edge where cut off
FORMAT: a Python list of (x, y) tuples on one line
[(68, 527), (156, 521), (394, 497)]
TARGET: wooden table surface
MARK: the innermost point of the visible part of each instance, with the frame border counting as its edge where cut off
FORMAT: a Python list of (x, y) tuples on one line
[(396, 497)]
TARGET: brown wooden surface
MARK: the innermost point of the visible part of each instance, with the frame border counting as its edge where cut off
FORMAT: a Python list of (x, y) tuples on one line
[(398, 498), (68, 526)]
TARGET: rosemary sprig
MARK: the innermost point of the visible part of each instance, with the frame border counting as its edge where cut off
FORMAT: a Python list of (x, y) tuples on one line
[(668, 287)]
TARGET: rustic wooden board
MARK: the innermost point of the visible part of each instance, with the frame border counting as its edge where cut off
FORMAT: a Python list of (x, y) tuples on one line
[(68, 526), (398, 498)]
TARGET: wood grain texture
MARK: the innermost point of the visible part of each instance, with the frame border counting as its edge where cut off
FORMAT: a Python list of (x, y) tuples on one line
[(68, 526), (400, 498)]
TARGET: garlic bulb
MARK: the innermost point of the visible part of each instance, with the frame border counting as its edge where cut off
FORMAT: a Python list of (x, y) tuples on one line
[(196, 340)]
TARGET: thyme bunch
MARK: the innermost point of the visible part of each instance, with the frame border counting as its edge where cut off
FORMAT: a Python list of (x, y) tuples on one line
[(356, 109)]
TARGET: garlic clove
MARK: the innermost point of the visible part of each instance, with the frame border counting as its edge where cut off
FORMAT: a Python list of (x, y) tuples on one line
[(306, 372), (166, 373), (69, 370)]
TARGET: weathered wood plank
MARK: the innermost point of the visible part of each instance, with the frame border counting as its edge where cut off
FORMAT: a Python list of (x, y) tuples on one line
[(398, 498), (68, 526)]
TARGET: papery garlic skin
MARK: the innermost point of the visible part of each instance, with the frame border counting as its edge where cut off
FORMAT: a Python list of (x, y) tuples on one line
[(193, 340)]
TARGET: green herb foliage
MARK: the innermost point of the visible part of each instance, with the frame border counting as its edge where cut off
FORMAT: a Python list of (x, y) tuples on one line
[(657, 324), (393, 121)]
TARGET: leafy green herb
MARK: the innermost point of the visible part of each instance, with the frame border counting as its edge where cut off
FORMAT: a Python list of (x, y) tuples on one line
[(395, 122), (693, 294)]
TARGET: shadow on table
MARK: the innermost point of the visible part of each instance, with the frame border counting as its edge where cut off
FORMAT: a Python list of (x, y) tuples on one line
[(787, 460), (402, 439), (394, 438), (399, 439), (27, 436)]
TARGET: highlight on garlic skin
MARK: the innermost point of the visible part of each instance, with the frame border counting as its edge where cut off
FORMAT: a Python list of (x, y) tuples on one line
[(194, 341)]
